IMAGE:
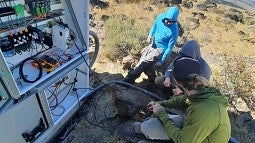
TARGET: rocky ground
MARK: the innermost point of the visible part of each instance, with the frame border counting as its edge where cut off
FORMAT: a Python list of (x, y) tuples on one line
[(106, 117)]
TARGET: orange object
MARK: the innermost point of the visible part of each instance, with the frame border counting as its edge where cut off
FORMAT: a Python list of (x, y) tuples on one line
[(48, 64)]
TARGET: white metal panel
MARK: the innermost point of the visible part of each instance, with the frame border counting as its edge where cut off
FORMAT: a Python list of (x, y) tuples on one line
[(81, 16), (21, 118), (60, 35), (4, 95), (46, 108), (7, 78), (77, 17)]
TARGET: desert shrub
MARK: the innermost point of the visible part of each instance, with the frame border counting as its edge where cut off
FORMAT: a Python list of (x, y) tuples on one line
[(124, 36), (218, 18), (206, 37), (250, 20), (235, 78)]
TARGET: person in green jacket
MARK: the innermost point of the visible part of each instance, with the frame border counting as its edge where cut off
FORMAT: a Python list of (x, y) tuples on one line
[(206, 120)]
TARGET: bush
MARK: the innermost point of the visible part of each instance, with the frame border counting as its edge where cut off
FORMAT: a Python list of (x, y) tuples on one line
[(124, 36), (235, 79)]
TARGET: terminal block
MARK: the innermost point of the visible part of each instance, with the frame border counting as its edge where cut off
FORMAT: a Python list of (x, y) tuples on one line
[(38, 8)]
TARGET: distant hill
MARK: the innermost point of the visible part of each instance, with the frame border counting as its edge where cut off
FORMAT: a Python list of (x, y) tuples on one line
[(243, 4)]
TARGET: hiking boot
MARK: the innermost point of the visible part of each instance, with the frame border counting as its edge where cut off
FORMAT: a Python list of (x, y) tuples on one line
[(151, 80), (135, 73), (151, 76), (128, 80)]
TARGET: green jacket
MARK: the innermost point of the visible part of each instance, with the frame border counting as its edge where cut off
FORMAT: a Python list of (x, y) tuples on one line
[(207, 118)]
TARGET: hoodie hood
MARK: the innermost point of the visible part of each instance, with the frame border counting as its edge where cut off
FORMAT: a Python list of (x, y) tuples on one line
[(191, 49), (172, 13), (210, 93)]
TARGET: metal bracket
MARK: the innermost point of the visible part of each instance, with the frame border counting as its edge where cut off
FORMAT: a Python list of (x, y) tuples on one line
[(31, 135)]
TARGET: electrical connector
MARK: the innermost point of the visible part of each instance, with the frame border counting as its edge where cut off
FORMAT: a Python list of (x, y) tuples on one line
[(19, 9)]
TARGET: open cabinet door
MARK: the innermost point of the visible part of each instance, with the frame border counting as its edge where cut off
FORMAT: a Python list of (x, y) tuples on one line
[(22, 122)]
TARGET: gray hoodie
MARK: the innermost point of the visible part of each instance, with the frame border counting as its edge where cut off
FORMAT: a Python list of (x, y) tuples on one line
[(192, 49)]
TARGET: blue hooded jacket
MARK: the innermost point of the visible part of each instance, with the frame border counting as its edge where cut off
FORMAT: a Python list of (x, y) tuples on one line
[(165, 36), (192, 49)]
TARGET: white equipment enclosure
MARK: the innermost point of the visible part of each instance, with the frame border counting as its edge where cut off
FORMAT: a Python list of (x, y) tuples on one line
[(44, 70)]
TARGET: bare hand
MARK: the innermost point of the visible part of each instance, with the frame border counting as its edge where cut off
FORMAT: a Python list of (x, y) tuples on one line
[(154, 107), (177, 91), (167, 82)]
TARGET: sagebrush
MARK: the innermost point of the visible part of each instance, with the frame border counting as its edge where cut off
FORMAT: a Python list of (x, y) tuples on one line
[(236, 78), (124, 36)]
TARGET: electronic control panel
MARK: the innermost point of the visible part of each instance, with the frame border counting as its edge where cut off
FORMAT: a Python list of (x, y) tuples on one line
[(44, 72)]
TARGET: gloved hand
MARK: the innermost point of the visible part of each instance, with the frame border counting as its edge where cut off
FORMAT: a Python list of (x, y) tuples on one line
[(157, 64)]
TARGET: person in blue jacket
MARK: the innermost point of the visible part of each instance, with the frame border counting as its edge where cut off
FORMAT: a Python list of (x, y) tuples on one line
[(162, 38)]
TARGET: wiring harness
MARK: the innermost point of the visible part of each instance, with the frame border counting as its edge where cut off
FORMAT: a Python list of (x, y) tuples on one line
[(21, 72)]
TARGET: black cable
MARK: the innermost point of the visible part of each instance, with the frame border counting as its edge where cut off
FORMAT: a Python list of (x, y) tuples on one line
[(10, 64), (97, 124), (77, 95), (64, 96), (75, 89), (53, 94), (63, 111), (22, 74), (90, 70), (86, 88), (105, 107), (72, 86), (94, 113)]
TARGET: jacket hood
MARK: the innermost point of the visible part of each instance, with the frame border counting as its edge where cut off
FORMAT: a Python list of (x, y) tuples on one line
[(172, 13), (210, 93), (191, 49)]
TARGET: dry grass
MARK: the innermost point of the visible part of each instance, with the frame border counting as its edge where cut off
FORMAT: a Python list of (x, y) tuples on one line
[(215, 35), (224, 37)]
